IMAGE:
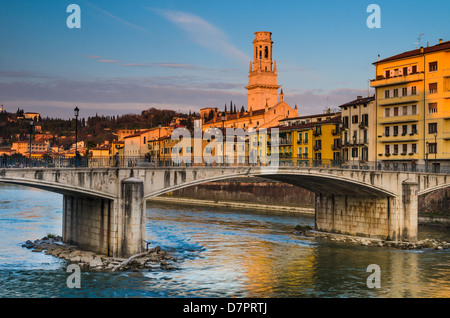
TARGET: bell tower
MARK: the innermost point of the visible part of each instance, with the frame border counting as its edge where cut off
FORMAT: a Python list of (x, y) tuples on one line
[(262, 78)]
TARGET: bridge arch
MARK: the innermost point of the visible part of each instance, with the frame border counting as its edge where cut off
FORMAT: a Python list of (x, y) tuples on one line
[(432, 189), (58, 188), (313, 181)]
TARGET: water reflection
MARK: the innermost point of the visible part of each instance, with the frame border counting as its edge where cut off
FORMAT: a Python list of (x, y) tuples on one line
[(221, 252)]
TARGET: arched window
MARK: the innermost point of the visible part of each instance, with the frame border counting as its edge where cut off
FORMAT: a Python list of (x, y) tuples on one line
[(266, 52), (260, 54)]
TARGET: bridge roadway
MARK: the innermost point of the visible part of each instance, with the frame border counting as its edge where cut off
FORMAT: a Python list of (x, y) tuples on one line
[(104, 208)]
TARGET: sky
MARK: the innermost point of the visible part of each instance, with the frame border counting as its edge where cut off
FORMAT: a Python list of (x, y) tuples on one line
[(129, 56)]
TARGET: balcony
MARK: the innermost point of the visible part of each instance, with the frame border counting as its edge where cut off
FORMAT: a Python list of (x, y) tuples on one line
[(381, 81), (335, 147), (363, 125), (285, 141)]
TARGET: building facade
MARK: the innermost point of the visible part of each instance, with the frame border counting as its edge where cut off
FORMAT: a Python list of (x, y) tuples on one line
[(358, 130), (412, 92)]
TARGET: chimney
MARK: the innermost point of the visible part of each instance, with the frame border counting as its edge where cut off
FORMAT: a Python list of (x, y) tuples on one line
[(421, 49), (379, 57), (428, 44), (440, 41)]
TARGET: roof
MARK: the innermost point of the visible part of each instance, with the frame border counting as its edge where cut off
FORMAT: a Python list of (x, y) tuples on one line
[(426, 50), (137, 134), (359, 101), (311, 116), (333, 120), (104, 147)]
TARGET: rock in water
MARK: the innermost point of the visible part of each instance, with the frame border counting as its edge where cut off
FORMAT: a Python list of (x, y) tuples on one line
[(96, 262)]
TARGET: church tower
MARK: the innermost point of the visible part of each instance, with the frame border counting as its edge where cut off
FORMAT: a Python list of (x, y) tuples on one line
[(262, 78)]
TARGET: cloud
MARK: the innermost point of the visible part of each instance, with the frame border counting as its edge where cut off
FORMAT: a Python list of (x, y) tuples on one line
[(202, 32), (116, 18), (314, 101), (108, 61)]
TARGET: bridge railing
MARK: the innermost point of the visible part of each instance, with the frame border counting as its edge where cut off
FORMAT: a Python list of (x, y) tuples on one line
[(141, 161)]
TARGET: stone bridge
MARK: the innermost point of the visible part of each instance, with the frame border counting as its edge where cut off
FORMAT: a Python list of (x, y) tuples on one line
[(104, 208)]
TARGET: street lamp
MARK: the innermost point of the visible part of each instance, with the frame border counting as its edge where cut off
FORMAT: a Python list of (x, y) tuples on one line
[(435, 151), (76, 112), (223, 140), (31, 132), (159, 146), (426, 156)]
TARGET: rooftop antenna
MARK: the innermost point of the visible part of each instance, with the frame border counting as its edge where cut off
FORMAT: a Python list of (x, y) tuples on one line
[(419, 38)]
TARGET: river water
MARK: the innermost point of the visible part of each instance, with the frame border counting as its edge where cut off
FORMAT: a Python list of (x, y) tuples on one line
[(221, 253)]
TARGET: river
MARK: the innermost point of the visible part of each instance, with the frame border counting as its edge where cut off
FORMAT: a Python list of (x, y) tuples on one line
[(221, 253)]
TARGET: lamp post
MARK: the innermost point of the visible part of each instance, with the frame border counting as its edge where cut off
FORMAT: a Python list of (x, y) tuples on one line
[(435, 151), (31, 133), (76, 113), (159, 146), (426, 157), (223, 140)]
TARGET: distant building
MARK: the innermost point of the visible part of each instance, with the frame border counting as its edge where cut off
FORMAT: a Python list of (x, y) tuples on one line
[(32, 116)]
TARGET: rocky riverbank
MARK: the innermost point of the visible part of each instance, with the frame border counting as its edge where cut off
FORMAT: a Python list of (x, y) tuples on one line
[(422, 244), (154, 258)]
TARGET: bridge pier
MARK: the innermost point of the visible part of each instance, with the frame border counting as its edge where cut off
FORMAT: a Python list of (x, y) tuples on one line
[(110, 227), (386, 218)]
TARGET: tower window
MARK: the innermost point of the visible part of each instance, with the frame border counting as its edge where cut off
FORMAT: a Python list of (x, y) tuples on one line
[(266, 52), (260, 54)]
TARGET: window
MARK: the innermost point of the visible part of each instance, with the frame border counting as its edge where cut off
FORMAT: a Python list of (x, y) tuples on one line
[(433, 88), (432, 128), (395, 149), (405, 71), (387, 112), (396, 92), (365, 136), (432, 148), (404, 91), (387, 149), (404, 148), (396, 72), (355, 119), (404, 130), (386, 94), (395, 111), (405, 110), (447, 84), (354, 152), (266, 52), (414, 148), (414, 90), (395, 130), (432, 108), (387, 131), (414, 69), (433, 66), (388, 74), (306, 140), (414, 109), (413, 129)]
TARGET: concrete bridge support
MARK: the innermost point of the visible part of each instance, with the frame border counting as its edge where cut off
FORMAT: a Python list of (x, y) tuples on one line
[(383, 217), (110, 227)]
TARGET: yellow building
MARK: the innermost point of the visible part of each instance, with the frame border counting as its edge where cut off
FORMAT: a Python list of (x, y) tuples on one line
[(412, 92), (306, 140)]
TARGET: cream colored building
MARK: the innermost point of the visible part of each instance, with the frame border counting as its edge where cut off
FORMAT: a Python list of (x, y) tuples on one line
[(358, 131), (136, 145)]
